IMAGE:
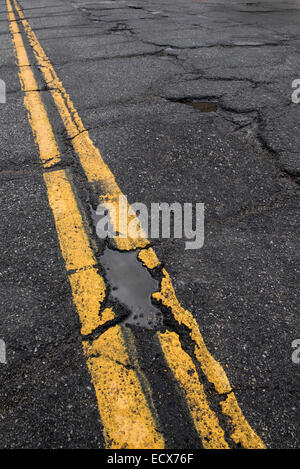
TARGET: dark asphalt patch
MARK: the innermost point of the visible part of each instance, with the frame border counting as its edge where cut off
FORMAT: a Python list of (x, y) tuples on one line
[(202, 106)]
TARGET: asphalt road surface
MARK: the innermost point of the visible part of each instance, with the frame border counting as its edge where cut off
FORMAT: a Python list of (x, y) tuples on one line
[(125, 342)]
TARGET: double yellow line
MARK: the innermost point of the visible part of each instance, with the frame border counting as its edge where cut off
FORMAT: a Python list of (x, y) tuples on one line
[(127, 412)]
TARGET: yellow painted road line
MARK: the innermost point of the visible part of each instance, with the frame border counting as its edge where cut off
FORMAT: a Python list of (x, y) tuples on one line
[(118, 392), (97, 172), (49, 152), (125, 413), (241, 431), (184, 370), (76, 250), (103, 181)]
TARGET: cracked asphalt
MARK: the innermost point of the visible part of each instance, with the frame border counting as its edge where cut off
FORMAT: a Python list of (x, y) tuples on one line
[(130, 67)]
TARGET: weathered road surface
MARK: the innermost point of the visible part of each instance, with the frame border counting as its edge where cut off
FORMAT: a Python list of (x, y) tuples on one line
[(115, 76)]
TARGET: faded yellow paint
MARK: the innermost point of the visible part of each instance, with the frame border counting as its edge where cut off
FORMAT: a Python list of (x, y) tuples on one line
[(106, 315), (242, 433), (149, 258), (127, 420), (184, 370), (88, 287), (89, 290), (212, 369), (121, 402), (97, 172), (74, 242), (88, 293), (104, 184), (41, 128), (125, 414)]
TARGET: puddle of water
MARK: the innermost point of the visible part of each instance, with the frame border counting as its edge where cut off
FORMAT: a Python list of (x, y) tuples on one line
[(132, 285), (202, 106)]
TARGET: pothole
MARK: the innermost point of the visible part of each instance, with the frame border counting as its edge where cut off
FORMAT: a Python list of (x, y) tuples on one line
[(132, 285)]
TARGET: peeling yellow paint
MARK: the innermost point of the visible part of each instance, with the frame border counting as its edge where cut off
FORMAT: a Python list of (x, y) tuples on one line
[(184, 370), (97, 172), (88, 290), (125, 414), (74, 242), (106, 315), (212, 369), (88, 287), (149, 258), (105, 185), (41, 128), (127, 420), (242, 433)]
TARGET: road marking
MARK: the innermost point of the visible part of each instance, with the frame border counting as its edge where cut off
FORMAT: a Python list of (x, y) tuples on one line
[(124, 410), (242, 433), (212, 369), (118, 392), (103, 182), (76, 250), (97, 172), (184, 370), (44, 136)]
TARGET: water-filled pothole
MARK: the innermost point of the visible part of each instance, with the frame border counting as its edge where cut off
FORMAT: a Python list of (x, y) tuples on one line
[(130, 282), (132, 285)]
